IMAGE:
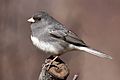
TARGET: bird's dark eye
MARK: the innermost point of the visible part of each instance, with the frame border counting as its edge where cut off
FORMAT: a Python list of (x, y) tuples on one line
[(37, 18)]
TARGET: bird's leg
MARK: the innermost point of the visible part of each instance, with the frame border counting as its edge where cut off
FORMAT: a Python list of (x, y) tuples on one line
[(49, 64), (54, 58)]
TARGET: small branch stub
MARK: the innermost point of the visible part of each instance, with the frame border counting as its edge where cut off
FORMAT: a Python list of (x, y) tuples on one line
[(57, 70), (75, 77)]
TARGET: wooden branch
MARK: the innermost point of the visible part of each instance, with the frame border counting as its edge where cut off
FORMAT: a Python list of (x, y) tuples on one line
[(56, 71), (75, 77)]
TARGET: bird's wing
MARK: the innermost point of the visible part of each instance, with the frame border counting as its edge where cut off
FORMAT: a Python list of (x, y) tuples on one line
[(67, 36)]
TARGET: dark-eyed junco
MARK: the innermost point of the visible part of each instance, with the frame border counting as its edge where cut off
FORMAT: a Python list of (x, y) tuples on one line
[(53, 37)]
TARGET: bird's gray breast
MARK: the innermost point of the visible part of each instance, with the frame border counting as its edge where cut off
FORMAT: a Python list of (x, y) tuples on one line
[(44, 41)]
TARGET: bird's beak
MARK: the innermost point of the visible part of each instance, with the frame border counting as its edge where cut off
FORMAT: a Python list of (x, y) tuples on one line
[(31, 20)]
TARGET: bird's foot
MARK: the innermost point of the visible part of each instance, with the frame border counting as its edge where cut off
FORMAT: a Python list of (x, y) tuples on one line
[(50, 63)]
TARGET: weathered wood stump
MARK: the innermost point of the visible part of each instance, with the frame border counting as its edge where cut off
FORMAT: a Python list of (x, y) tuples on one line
[(58, 70)]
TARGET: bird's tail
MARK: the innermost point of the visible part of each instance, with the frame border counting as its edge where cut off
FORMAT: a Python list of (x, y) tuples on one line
[(94, 52)]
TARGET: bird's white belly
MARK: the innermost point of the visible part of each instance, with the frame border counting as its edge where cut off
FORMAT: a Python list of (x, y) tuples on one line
[(45, 46)]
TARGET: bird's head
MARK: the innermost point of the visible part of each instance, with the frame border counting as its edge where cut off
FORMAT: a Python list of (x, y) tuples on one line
[(37, 17)]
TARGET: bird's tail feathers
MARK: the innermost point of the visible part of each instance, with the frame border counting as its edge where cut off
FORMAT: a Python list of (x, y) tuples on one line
[(94, 52)]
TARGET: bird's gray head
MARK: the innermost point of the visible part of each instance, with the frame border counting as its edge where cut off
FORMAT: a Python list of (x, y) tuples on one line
[(38, 17)]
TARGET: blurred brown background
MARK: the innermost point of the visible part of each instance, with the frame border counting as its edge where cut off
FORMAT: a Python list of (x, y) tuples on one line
[(96, 21)]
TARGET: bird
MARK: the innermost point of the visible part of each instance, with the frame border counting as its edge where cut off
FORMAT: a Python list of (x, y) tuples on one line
[(54, 38)]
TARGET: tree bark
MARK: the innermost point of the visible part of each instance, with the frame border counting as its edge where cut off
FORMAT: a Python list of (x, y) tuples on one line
[(57, 70)]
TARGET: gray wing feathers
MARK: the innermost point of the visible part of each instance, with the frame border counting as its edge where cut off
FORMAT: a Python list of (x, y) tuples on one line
[(68, 36)]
